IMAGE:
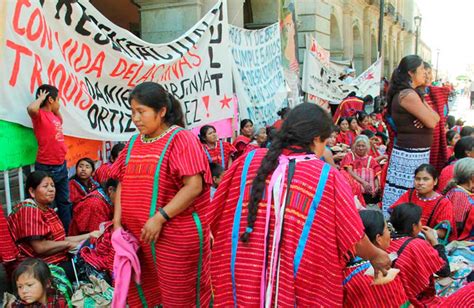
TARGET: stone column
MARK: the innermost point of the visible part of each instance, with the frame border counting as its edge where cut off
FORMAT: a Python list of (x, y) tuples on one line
[(165, 20), (366, 39), (348, 38), (390, 52)]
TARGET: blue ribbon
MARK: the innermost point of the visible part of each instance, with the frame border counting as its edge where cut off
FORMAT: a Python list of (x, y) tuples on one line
[(310, 218), (236, 223), (361, 268)]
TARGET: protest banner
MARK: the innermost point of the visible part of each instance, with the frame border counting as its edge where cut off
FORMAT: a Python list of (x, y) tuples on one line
[(78, 148), (321, 79), (18, 146), (258, 73), (95, 64), (289, 50)]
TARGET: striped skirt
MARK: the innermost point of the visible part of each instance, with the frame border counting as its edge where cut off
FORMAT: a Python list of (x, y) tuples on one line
[(401, 173)]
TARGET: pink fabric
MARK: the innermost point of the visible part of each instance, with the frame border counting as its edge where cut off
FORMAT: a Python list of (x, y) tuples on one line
[(125, 263)]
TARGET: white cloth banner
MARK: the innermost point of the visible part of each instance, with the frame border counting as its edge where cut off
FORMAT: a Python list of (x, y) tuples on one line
[(95, 63), (258, 73), (322, 80)]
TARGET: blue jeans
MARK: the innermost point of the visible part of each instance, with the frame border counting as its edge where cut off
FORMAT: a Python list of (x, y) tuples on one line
[(61, 200)]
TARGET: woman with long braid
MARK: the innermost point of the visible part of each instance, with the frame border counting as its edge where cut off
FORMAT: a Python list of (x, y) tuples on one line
[(285, 222)]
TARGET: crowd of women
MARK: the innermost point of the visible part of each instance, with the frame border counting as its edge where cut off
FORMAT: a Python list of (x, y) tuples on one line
[(308, 212)]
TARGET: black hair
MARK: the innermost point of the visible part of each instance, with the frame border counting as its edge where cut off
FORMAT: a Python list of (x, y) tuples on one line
[(111, 183), (383, 136), (450, 134), (451, 121), (155, 96), (430, 169), (34, 179), (401, 80), (203, 132), (335, 129), (52, 90), (87, 160), (374, 223), (216, 169), (36, 268), (368, 133), (304, 123), (360, 116), (352, 94), (404, 216), (343, 119), (116, 149), (465, 144), (283, 112), (426, 65), (467, 131), (244, 122), (368, 99), (373, 114)]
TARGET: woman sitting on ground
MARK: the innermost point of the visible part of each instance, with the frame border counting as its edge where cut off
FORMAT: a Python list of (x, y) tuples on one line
[(452, 137), (359, 288), (364, 169), (82, 182), (217, 151), (460, 192), (463, 148), (102, 174), (259, 139), (36, 228), (94, 209), (419, 258), (437, 210), (346, 135), (245, 137)]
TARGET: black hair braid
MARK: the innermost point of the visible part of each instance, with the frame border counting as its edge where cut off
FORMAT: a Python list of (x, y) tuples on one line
[(269, 163)]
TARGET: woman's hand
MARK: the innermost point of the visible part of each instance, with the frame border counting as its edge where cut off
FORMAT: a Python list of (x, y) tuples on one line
[(430, 235), (381, 263), (95, 234), (152, 228), (418, 124)]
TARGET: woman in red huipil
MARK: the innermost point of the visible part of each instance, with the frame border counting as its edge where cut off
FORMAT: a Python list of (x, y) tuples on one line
[(82, 182), (245, 137), (102, 174), (94, 209), (364, 169), (359, 288), (437, 210), (463, 148), (217, 151), (282, 218), (460, 192), (8, 250), (346, 135), (163, 200), (418, 259)]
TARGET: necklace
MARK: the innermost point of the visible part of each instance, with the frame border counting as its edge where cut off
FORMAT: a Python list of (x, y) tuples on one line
[(427, 199), (153, 139)]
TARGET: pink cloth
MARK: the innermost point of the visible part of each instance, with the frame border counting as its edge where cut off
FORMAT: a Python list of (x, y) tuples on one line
[(125, 263)]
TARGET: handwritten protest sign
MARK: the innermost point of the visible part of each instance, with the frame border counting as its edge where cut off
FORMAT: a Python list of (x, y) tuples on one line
[(78, 148), (258, 74), (321, 79), (95, 64)]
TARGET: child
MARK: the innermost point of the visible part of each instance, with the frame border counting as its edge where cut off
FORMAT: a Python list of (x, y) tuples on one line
[(217, 174), (101, 175), (82, 182), (365, 121), (48, 128), (32, 281), (452, 137)]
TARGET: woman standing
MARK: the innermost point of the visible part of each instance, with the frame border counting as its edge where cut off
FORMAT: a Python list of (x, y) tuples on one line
[(273, 213), (163, 199), (414, 121), (217, 151), (245, 137)]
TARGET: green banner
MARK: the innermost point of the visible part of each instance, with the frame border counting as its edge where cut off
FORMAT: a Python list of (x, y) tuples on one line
[(18, 146)]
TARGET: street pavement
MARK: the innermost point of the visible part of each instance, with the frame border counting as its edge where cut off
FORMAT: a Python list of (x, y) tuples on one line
[(460, 109)]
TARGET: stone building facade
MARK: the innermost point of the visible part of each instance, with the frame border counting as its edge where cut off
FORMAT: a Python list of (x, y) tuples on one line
[(348, 28)]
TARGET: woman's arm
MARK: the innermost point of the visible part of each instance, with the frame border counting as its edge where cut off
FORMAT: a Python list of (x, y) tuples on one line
[(378, 258), (412, 103), (82, 237), (117, 220), (193, 186), (47, 248)]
